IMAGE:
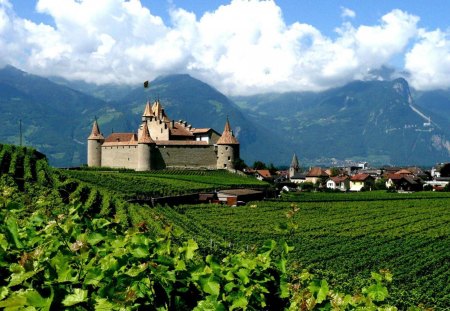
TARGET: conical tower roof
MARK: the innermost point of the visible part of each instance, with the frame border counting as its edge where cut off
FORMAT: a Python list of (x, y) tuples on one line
[(157, 108), (294, 162), (95, 133), (227, 137), (148, 110), (145, 137)]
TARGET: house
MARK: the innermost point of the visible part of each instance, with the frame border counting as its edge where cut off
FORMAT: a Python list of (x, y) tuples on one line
[(316, 174), (361, 182), (404, 182), (233, 197), (263, 175), (298, 178), (341, 183)]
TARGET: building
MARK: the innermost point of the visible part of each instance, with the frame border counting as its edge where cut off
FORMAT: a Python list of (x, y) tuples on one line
[(341, 183), (316, 175), (163, 143), (361, 182)]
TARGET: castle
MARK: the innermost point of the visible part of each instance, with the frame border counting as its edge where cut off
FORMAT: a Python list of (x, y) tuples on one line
[(163, 143)]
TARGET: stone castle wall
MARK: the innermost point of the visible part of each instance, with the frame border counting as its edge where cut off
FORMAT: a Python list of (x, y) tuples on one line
[(163, 156), (120, 156), (190, 156)]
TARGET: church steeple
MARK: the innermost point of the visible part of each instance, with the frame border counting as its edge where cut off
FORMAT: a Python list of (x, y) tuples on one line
[(295, 166)]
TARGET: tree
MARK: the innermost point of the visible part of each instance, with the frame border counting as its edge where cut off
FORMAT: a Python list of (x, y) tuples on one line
[(445, 170), (259, 165)]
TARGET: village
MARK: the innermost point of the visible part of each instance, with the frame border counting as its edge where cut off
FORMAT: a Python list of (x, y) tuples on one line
[(355, 178)]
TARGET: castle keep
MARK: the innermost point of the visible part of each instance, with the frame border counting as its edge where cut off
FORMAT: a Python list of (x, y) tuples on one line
[(163, 143)]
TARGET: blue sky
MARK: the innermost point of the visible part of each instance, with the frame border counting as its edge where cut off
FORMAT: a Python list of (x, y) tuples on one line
[(239, 46)]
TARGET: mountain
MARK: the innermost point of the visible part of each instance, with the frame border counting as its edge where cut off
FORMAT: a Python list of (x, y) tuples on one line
[(186, 98), (55, 119), (374, 121)]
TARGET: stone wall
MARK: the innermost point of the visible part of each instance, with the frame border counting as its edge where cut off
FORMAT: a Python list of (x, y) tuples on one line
[(185, 157), (120, 156)]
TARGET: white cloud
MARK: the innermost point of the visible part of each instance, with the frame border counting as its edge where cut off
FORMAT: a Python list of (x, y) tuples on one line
[(346, 12), (240, 48), (428, 62)]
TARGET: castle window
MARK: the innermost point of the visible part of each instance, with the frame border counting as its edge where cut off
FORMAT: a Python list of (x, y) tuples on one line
[(226, 148), (225, 165), (229, 158)]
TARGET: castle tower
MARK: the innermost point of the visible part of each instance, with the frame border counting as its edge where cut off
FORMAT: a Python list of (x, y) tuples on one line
[(294, 168), (95, 141), (145, 147), (227, 148), (148, 112)]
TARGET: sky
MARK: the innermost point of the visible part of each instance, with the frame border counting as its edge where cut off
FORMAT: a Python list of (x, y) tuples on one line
[(241, 47)]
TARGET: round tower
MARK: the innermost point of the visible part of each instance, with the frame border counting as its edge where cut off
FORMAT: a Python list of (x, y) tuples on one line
[(145, 147), (95, 141), (227, 149)]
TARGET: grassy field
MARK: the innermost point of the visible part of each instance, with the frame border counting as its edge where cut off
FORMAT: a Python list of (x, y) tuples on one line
[(409, 234)]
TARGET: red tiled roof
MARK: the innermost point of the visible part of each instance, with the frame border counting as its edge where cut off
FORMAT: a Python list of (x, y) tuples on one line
[(95, 133), (403, 172), (316, 172), (145, 136), (227, 137), (339, 179), (201, 131), (120, 139), (264, 173), (180, 130), (360, 177), (181, 143)]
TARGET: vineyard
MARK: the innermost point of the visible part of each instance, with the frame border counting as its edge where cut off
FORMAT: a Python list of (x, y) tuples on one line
[(66, 243), (130, 184), (70, 240), (343, 241)]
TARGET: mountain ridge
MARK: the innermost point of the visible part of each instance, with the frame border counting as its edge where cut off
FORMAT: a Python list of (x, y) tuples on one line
[(382, 122)]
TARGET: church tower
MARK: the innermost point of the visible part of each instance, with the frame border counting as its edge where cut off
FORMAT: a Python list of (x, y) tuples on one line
[(227, 148), (95, 141), (145, 146), (295, 167)]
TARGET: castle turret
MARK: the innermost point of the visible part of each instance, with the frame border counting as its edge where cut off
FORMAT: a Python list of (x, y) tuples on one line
[(95, 141), (227, 148), (145, 147), (148, 112), (295, 167)]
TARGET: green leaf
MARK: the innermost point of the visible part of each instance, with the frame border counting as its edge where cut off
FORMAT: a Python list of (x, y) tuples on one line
[(208, 305), (79, 295), (100, 223), (95, 238), (35, 299), (3, 292), (102, 304), (243, 275), (13, 229), (376, 292), (377, 277), (140, 252), (16, 301), (240, 302), (181, 265), (323, 291), (191, 247), (3, 242), (210, 286), (18, 278)]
